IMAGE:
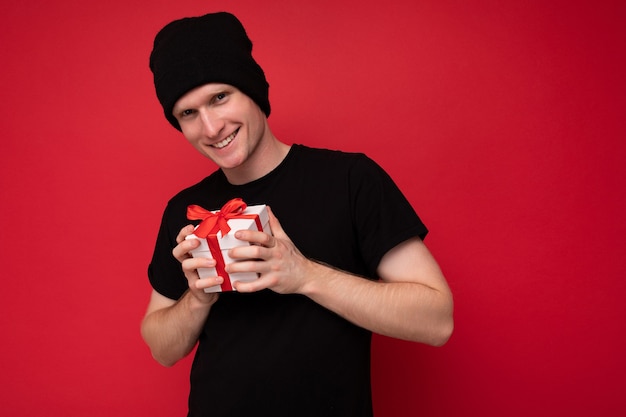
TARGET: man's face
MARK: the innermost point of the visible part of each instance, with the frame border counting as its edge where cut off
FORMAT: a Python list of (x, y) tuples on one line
[(222, 123)]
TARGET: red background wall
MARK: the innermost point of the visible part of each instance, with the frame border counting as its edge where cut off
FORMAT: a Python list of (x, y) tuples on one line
[(503, 122)]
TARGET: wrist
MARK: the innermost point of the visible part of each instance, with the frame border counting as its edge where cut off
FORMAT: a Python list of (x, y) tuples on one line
[(200, 302), (317, 273)]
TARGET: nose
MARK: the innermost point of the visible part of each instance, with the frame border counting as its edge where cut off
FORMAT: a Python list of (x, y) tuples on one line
[(211, 124)]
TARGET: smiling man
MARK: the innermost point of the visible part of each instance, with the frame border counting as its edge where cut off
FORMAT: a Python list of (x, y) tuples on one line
[(346, 257)]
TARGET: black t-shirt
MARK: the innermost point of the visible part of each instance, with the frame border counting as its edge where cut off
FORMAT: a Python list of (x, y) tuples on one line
[(284, 355)]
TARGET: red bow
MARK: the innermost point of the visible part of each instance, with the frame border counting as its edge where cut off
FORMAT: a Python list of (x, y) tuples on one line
[(218, 221)]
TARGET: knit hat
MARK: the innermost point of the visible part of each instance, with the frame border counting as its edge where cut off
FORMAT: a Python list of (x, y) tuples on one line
[(194, 51)]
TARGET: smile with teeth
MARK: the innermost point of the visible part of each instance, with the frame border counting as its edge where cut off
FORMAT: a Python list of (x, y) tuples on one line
[(226, 141)]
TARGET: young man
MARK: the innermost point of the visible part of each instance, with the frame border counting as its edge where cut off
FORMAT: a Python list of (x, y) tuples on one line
[(345, 259)]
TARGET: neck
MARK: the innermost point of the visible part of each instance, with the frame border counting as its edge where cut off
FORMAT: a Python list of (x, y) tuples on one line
[(267, 155)]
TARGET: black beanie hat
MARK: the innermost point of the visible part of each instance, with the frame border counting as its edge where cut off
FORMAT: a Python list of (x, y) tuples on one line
[(194, 51)]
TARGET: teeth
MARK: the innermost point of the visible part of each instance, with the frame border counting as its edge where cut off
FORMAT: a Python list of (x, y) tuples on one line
[(226, 141)]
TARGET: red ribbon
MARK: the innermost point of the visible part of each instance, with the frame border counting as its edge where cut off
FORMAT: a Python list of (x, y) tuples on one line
[(218, 221), (214, 222)]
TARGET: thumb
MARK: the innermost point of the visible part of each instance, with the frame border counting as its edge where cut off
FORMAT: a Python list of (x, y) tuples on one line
[(277, 229)]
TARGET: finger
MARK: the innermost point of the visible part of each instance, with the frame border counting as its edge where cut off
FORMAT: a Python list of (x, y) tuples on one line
[(256, 238), (250, 252), (190, 265), (247, 265), (187, 230), (181, 251), (251, 286), (207, 282)]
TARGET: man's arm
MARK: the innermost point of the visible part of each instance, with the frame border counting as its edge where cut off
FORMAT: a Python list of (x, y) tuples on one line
[(171, 327), (412, 301)]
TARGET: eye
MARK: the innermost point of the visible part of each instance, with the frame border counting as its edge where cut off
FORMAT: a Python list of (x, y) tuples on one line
[(186, 113)]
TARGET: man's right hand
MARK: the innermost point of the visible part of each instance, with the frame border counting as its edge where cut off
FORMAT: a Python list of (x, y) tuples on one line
[(191, 264)]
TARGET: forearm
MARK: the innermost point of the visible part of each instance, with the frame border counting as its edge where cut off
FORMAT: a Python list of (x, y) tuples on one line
[(172, 332), (412, 300), (404, 310)]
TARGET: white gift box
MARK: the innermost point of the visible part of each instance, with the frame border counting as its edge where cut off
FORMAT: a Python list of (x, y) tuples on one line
[(227, 242)]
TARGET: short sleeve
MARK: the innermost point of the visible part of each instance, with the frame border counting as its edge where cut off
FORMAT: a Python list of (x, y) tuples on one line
[(383, 216), (164, 271)]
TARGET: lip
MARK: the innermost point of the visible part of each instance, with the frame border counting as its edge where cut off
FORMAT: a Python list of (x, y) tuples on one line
[(226, 141)]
